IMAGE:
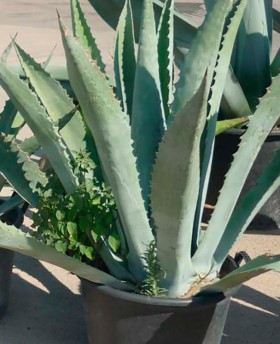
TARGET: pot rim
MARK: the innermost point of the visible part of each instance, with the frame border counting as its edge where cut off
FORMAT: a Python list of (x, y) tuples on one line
[(202, 300)]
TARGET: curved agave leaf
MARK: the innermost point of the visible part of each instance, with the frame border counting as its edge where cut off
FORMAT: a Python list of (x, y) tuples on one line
[(234, 103), (220, 75), (114, 263), (227, 124), (40, 124), (56, 102), (110, 11), (165, 53), (83, 33), (30, 145), (175, 187), (253, 38), (267, 183), (10, 204), (124, 59), (147, 112), (201, 55), (259, 127), (13, 239), (112, 135), (22, 173), (7, 117), (250, 270)]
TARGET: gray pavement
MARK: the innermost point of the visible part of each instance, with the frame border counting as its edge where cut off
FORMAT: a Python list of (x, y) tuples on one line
[(45, 303)]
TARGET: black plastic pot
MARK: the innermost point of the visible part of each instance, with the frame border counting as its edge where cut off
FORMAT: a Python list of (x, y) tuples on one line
[(119, 317), (226, 145), (13, 217)]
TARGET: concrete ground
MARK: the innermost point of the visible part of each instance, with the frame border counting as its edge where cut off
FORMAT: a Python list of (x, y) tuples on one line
[(45, 303)]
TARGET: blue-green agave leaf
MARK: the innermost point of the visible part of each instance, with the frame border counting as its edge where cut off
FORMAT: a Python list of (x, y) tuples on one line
[(112, 134), (10, 204), (21, 173), (175, 187), (8, 50), (13, 239), (234, 103), (220, 76), (125, 60), (252, 269), (56, 101), (41, 125), (147, 112), (165, 54), (30, 145), (256, 197), (259, 127), (83, 33), (253, 39), (114, 263), (110, 11), (201, 55)]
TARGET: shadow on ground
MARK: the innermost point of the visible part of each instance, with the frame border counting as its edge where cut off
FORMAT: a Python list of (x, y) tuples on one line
[(258, 325), (47, 314)]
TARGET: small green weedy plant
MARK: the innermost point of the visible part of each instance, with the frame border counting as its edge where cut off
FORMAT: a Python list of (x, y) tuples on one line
[(154, 138)]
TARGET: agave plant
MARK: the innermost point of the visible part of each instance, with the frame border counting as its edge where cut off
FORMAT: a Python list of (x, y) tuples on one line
[(247, 80), (154, 138)]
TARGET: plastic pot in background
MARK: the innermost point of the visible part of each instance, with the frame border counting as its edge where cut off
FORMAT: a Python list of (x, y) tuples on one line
[(226, 145), (14, 217)]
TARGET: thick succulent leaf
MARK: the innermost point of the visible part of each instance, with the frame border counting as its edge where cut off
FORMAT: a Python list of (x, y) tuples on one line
[(125, 60), (13, 239), (7, 117), (165, 53), (114, 263), (252, 269), (276, 20), (220, 75), (83, 33), (259, 127), (256, 197), (253, 39), (49, 58), (111, 132), (275, 66), (110, 11), (41, 125), (227, 124), (203, 51), (147, 112), (8, 50), (10, 204), (30, 145), (175, 187), (56, 101), (234, 103), (22, 173)]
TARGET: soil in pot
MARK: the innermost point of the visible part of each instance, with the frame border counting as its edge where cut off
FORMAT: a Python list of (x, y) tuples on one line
[(226, 145)]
